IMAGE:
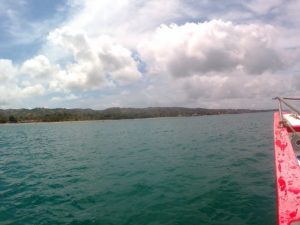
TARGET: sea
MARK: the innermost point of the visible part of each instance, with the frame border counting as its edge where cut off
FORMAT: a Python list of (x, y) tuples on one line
[(210, 170)]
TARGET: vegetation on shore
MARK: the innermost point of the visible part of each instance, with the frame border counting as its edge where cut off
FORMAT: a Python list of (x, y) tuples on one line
[(61, 114)]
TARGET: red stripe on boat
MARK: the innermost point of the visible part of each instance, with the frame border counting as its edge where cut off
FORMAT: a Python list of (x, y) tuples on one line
[(296, 128), (287, 177)]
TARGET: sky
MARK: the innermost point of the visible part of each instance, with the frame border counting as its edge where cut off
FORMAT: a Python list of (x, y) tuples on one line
[(148, 53)]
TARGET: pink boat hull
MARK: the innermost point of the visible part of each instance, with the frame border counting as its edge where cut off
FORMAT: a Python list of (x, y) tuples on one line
[(287, 177)]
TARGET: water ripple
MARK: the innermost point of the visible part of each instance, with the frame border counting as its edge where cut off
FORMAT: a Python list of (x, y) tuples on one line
[(212, 170)]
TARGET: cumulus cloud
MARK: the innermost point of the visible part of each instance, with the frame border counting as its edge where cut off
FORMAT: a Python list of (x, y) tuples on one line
[(38, 67), (34, 90), (91, 65), (97, 62), (232, 87), (7, 70), (126, 20), (214, 46), (14, 86), (105, 45)]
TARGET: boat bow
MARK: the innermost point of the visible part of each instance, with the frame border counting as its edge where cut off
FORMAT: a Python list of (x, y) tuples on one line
[(287, 175)]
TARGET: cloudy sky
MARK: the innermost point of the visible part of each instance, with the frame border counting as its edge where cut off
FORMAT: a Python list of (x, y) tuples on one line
[(140, 53)]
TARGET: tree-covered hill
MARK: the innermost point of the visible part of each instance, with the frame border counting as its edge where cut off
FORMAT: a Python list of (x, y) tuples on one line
[(61, 114)]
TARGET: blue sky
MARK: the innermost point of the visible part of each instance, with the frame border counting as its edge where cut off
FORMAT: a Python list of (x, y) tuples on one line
[(137, 53), (25, 24)]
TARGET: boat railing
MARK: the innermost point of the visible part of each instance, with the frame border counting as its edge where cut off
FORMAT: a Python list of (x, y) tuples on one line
[(282, 100)]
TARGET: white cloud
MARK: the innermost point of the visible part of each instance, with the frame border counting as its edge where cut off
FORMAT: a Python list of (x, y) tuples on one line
[(34, 90), (126, 20), (243, 86), (16, 87), (7, 70), (64, 98), (199, 48), (106, 45), (97, 62), (291, 12), (38, 67), (14, 92), (263, 6)]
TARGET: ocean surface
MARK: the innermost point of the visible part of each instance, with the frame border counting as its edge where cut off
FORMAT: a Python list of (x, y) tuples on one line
[(211, 170)]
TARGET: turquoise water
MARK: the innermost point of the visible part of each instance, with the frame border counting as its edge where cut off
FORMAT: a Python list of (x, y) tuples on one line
[(199, 170)]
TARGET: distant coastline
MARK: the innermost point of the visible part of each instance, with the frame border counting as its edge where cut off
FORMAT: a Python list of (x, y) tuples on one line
[(62, 114)]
